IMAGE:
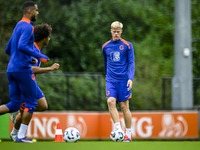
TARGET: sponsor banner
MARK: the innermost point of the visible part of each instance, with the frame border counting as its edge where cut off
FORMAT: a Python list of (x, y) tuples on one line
[(96, 125)]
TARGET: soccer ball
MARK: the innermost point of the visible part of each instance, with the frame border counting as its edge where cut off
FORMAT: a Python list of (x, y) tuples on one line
[(71, 134), (117, 135)]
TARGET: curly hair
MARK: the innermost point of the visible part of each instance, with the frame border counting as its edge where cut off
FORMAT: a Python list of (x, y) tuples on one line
[(42, 31)]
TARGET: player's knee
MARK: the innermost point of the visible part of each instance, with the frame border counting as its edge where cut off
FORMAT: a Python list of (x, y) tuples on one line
[(124, 108), (44, 107), (111, 102)]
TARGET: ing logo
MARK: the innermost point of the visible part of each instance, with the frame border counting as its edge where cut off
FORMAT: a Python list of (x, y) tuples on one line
[(121, 47)]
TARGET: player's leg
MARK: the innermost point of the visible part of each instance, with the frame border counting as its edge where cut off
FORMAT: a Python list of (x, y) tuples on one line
[(14, 94), (124, 95), (111, 101), (14, 132), (42, 102), (18, 120), (28, 89), (127, 119), (41, 106), (13, 116), (111, 95), (26, 117), (4, 109), (126, 112)]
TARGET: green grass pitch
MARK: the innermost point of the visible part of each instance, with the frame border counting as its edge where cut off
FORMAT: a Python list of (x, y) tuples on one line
[(102, 145)]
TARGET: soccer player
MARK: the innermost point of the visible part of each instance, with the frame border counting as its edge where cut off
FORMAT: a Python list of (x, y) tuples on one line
[(119, 67), (19, 73), (42, 35)]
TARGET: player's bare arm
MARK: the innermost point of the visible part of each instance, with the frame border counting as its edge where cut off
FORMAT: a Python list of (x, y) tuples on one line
[(129, 84), (39, 70)]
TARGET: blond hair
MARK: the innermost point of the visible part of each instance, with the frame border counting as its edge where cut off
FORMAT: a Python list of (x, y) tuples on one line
[(116, 24)]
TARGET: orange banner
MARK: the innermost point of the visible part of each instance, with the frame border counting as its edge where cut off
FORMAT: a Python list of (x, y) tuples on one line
[(95, 125)]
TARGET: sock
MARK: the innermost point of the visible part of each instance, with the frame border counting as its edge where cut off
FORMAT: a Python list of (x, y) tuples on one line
[(14, 131), (22, 131), (117, 125), (128, 132)]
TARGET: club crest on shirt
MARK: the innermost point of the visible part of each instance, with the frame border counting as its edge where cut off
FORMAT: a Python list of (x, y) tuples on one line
[(107, 93), (33, 76), (121, 47)]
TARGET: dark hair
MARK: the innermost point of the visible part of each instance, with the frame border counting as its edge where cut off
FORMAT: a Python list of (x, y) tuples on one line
[(42, 31), (28, 4)]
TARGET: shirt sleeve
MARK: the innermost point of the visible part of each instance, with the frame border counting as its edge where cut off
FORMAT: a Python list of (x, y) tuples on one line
[(23, 45), (7, 51), (105, 60), (131, 61)]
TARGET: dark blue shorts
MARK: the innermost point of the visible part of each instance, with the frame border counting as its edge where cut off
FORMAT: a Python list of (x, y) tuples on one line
[(22, 83), (39, 95), (118, 90)]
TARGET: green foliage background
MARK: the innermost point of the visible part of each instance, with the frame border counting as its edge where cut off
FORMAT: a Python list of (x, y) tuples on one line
[(80, 27)]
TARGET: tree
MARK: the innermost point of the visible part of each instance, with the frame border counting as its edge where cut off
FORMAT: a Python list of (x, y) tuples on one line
[(81, 27)]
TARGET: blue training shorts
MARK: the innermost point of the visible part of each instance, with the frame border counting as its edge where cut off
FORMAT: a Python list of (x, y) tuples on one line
[(22, 83), (39, 95), (118, 90)]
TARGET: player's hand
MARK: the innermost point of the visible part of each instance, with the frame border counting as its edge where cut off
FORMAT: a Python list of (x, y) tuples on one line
[(55, 66), (129, 84), (34, 61)]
